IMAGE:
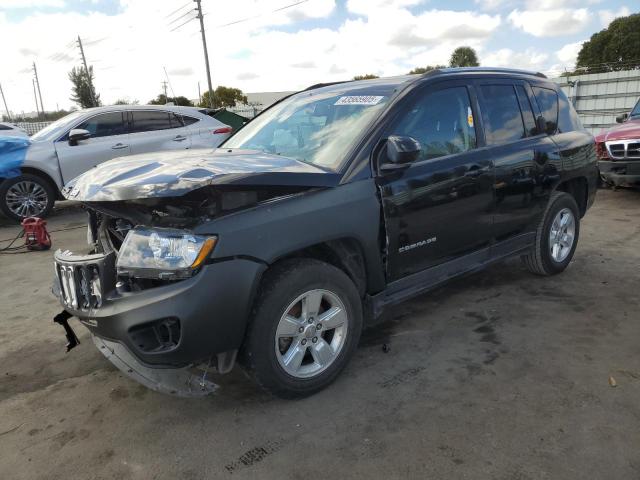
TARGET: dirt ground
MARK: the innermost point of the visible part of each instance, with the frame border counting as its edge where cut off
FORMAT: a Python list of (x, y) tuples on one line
[(500, 375)]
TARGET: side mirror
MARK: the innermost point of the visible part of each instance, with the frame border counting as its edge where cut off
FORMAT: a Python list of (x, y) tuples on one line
[(622, 117), (401, 151), (78, 134), (541, 124)]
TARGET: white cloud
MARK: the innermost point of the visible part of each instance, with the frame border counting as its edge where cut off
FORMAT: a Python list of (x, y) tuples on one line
[(549, 23), (608, 16), (569, 53), (530, 59)]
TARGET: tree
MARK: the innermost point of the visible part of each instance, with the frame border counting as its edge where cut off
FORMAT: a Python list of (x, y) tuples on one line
[(366, 76), (162, 100), (428, 68), (464, 57), (82, 91), (224, 97), (616, 47), (126, 101)]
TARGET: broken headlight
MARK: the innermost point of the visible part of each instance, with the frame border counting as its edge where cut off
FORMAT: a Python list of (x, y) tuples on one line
[(163, 253)]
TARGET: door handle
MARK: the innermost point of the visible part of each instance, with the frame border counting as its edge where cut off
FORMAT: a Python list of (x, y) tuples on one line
[(179, 138), (474, 171), (119, 146)]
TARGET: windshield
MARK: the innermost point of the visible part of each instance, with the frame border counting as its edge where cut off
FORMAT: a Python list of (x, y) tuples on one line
[(636, 110), (314, 127), (51, 129)]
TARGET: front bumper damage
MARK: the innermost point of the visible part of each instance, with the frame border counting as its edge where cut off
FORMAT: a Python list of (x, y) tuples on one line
[(620, 172), (169, 337)]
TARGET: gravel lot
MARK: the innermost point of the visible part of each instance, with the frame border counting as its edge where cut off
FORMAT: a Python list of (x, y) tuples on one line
[(500, 375)]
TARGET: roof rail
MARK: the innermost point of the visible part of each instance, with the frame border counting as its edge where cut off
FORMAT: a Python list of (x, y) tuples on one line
[(320, 85), (490, 70)]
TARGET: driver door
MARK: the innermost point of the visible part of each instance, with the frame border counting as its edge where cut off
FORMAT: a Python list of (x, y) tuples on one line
[(109, 139), (437, 208)]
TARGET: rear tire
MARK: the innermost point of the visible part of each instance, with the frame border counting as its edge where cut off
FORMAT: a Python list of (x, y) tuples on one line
[(26, 195), (305, 327), (556, 237)]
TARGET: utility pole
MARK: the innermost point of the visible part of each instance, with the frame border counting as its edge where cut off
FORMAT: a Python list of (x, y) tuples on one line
[(86, 71), (35, 72), (206, 53), (5, 104), (33, 82), (199, 95), (164, 88)]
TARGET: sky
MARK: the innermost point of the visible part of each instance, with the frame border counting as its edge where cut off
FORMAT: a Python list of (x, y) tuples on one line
[(276, 45)]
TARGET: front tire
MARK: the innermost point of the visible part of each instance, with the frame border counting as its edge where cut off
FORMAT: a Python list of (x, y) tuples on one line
[(25, 196), (305, 327), (556, 236)]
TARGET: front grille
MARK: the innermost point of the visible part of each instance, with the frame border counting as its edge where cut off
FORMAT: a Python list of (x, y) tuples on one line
[(80, 286), (624, 149), (84, 280)]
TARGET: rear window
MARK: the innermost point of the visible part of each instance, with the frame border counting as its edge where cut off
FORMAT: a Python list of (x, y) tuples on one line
[(147, 121), (501, 114), (568, 120), (548, 102)]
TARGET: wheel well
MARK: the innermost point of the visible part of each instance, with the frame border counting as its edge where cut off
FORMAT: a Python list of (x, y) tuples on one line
[(44, 176), (345, 254), (578, 188)]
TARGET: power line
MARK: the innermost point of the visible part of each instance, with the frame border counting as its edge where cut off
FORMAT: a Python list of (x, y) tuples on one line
[(178, 9), (246, 19), (183, 24)]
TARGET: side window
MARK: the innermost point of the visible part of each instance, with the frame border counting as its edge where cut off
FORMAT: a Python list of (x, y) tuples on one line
[(104, 125), (150, 120), (527, 111), (189, 120), (568, 120), (5, 127), (501, 114), (442, 121), (548, 102)]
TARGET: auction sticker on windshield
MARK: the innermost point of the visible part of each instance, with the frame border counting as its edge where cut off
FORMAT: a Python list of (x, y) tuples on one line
[(359, 100)]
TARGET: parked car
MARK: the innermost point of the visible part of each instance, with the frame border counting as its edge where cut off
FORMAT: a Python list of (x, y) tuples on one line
[(11, 130), (618, 150), (81, 140), (329, 207)]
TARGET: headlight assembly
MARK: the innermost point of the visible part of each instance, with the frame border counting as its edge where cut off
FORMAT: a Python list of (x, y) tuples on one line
[(163, 253)]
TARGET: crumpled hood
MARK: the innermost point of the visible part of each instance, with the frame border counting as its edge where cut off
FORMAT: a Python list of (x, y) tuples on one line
[(173, 174), (628, 130)]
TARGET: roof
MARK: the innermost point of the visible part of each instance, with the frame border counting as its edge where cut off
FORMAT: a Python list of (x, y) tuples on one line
[(406, 79), (173, 108)]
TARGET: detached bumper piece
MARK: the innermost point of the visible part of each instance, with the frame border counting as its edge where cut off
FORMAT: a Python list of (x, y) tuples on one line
[(63, 319), (182, 382)]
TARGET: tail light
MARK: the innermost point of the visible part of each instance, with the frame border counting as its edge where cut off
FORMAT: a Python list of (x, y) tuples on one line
[(601, 150), (222, 130)]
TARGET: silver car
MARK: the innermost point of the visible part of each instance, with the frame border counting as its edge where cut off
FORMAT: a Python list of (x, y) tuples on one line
[(84, 139), (11, 130)]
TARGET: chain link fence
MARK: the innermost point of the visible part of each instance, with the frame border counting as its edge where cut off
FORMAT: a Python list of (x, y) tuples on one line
[(32, 127)]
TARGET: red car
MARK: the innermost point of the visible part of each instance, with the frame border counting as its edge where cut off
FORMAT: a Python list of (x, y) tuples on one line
[(618, 150)]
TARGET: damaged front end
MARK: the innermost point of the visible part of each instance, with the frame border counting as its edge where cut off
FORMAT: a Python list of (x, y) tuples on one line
[(158, 303)]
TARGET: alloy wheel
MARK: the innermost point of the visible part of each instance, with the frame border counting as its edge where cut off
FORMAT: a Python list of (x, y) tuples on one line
[(311, 333), (562, 235), (26, 199)]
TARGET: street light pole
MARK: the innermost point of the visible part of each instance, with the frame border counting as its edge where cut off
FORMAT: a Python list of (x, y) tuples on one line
[(5, 104), (206, 53)]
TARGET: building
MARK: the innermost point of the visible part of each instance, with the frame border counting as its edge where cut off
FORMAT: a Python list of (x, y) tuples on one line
[(600, 97)]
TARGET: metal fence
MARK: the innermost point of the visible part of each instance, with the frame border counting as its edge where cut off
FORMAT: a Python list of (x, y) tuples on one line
[(32, 127), (600, 97)]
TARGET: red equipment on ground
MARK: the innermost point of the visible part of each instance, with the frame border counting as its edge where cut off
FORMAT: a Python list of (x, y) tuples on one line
[(36, 236)]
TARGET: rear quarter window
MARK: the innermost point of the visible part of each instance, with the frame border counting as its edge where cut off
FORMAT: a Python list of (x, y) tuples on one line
[(547, 99), (568, 120), (189, 120)]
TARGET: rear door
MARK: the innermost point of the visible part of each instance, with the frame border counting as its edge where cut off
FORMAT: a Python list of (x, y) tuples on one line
[(526, 161), (157, 130), (109, 139), (439, 207)]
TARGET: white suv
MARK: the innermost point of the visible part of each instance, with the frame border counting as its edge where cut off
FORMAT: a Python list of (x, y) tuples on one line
[(84, 139)]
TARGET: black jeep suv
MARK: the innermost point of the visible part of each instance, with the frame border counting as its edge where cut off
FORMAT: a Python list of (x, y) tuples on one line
[(332, 205)]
